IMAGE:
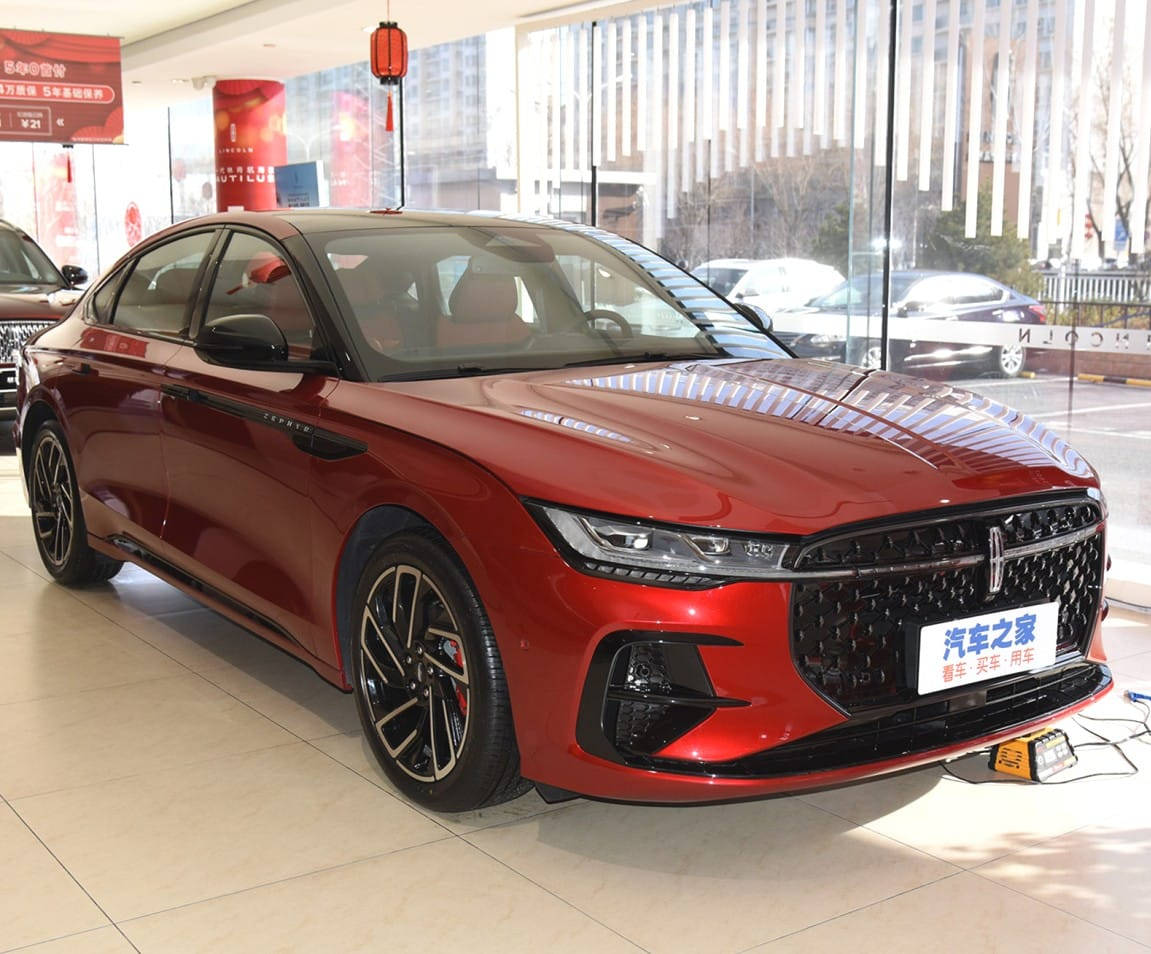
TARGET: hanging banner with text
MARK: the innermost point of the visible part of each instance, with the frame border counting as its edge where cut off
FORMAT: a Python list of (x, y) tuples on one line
[(60, 87)]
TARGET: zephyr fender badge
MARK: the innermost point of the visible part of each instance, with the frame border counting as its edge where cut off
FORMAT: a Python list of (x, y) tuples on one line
[(995, 561)]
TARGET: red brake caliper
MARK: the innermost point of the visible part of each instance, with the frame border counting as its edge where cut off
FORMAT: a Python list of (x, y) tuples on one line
[(461, 696)]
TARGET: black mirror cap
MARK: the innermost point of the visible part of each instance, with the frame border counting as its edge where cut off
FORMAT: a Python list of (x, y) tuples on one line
[(74, 275), (756, 315), (242, 341)]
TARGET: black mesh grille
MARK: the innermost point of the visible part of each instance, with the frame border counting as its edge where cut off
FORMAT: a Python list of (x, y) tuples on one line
[(851, 637), (14, 333)]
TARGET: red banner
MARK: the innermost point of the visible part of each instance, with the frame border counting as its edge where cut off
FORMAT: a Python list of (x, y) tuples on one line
[(60, 87), (249, 142), (350, 172)]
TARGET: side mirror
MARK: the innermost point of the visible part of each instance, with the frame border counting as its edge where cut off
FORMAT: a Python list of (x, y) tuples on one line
[(74, 275), (756, 315), (242, 341)]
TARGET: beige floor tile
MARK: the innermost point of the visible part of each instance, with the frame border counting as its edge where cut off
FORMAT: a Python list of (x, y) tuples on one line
[(445, 896), (352, 750), (100, 734), (27, 556), (1126, 634), (38, 899), (54, 660), (1098, 873), (102, 941), (202, 640), (15, 575), (134, 593), (1133, 671), (968, 825), (162, 839), (52, 605), (718, 878), (963, 913), (291, 694)]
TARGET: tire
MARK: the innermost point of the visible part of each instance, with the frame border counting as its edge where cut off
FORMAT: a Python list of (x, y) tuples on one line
[(428, 680), (1008, 362), (58, 518)]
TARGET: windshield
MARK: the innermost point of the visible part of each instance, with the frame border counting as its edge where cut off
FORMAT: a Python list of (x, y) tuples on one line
[(23, 263), (431, 301), (721, 279), (865, 291)]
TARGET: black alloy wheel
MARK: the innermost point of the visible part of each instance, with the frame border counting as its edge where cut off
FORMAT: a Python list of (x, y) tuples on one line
[(428, 680), (61, 536)]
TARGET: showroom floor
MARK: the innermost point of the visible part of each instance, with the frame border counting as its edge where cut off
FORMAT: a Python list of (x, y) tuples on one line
[(171, 784)]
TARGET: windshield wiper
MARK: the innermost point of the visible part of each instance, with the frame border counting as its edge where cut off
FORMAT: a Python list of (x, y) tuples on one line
[(645, 356)]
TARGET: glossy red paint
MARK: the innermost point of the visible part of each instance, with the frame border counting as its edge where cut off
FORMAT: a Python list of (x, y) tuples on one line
[(778, 447)]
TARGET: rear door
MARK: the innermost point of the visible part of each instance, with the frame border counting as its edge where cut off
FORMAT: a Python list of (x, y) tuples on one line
[(134, 323), (237, 447)]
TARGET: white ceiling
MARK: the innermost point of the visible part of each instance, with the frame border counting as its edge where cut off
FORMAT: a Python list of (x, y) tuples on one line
[(170, 43)]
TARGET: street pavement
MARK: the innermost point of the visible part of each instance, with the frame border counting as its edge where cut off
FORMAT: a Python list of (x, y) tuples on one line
[(1110, 425)]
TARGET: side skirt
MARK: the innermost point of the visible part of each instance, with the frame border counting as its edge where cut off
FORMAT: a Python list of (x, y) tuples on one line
[(125, 548)]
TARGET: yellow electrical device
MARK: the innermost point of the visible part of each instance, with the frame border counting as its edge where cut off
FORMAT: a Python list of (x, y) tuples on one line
[(1037, 756)]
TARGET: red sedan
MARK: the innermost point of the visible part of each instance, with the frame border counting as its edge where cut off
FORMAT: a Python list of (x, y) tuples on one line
[(558, 514)]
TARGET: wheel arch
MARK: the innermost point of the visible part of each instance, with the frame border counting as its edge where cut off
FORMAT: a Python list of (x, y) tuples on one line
[(369, 532), (38, 412)]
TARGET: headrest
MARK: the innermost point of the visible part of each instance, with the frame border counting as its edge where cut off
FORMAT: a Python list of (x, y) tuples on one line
[(483, 296), (265, 268)]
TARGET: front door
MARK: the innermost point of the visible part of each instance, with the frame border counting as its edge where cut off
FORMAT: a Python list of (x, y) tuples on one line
[(133, 325), (235, 450)]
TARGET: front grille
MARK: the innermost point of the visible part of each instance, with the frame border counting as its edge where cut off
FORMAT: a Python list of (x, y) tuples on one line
[(13, 334), (851, 637), (963, 717)]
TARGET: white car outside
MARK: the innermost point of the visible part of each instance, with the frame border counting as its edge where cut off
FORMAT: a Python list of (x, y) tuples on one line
[(771, 283)]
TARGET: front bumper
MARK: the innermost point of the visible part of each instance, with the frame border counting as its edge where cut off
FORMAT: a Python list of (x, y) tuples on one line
[(777, 730)]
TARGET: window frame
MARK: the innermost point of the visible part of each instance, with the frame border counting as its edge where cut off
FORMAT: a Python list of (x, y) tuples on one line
[(119, 277), (297, 275)]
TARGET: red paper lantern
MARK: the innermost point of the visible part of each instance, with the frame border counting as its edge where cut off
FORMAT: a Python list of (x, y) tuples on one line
[(389, 53)]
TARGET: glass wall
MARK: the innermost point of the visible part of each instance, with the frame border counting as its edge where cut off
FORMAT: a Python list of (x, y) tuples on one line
[(763, 144)]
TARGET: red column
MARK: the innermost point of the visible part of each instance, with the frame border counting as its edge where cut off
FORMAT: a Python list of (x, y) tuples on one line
[(249, 142), (56, 209)]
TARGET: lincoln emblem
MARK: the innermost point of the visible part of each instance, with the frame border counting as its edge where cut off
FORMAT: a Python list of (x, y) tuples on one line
[(995, 561)]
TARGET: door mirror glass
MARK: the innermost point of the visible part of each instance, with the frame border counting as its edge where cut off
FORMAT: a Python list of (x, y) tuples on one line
[(242, 341), (74, 275)]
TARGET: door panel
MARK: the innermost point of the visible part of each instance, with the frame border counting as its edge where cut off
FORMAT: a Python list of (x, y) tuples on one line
[(111, 399), (239, 512)]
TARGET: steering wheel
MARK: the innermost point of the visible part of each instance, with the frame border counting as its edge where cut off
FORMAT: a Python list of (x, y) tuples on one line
[(595, 314)]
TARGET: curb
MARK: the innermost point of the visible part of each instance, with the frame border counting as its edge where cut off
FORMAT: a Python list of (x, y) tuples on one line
[(1114, 379)]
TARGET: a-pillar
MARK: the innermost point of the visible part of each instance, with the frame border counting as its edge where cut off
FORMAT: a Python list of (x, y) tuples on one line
[(249, 142)]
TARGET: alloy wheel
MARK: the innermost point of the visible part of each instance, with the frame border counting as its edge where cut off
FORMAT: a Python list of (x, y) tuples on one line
[(872, 358), (53, 502), (1011, 360), (414, 673)]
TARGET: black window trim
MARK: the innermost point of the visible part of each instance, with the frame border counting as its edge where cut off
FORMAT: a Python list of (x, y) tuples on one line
[(200, 308), (120, 274)]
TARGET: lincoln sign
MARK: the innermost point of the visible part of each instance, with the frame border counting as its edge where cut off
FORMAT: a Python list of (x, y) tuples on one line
[(1102, 340), (60, 87)]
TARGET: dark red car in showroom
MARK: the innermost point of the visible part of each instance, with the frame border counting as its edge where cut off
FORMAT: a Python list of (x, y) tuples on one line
[(558, 514), (33, 295)]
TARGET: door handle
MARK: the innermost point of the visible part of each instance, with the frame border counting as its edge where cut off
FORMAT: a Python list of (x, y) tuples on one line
[(79, 367)]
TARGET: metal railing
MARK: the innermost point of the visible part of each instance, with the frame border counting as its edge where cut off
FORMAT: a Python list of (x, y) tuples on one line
[(1119, 287)]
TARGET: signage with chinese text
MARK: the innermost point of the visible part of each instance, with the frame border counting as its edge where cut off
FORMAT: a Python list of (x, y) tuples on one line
[(60, 87)]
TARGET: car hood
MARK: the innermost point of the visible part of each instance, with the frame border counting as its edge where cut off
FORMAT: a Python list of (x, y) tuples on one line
[(785, 446), (35, 305)]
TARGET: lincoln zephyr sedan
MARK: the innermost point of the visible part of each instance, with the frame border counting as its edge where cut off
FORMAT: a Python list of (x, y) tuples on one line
[(556, 513)]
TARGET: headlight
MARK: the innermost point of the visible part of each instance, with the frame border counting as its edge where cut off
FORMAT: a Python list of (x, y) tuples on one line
[(651, 552)]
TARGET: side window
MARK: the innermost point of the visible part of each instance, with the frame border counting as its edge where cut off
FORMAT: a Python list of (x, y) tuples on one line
[(157, 293), (976, 291), (255, 278), (768, 280), (104, 298)]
